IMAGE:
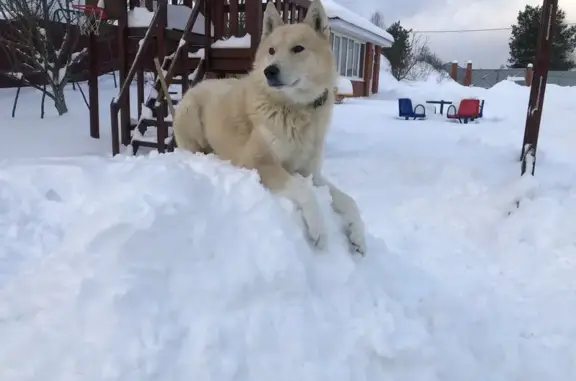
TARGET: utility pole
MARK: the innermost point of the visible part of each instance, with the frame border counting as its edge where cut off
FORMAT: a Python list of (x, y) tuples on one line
[(538, 87)]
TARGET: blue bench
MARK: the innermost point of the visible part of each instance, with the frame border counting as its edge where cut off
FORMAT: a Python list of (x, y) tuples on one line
[(406, 111)]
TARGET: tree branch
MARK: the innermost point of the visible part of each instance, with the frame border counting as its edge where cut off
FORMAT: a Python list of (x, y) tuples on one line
[(41, 40)]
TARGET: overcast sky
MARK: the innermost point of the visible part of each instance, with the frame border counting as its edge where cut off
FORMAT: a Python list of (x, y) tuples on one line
[(485, 49)]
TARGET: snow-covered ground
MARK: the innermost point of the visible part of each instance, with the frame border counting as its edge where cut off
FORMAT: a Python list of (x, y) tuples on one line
[(181, 267)]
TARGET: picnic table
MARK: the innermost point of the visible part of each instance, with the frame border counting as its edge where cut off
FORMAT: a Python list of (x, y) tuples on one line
[(441, 103)]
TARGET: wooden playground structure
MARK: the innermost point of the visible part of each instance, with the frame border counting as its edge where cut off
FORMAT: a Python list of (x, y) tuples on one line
[(192, 41)]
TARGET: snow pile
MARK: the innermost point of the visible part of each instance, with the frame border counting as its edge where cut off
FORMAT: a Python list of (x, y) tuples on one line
[(505, 102), (433, 82), (345, 86), (179, 267)]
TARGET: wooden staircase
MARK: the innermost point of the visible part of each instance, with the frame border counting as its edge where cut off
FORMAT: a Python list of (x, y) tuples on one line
[(155, 122), (188, 63), (153, 127)]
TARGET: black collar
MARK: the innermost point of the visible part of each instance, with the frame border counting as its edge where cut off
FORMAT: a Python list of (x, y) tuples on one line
[(321, 100)]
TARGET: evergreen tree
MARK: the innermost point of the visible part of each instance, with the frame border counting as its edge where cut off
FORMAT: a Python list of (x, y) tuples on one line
[(400, 52), (524, 40)]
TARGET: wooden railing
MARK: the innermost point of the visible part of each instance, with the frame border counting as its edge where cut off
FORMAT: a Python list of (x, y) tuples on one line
[(238, 17), (228, 17), (181, 53), (121, 102)]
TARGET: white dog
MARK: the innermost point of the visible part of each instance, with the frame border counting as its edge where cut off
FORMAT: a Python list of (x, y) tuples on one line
[(275, 119)]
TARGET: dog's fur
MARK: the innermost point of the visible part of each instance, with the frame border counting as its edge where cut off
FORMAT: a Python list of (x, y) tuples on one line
[(276, 128)]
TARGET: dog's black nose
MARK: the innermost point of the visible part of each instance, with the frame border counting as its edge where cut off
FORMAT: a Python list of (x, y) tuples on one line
[(272, 71)]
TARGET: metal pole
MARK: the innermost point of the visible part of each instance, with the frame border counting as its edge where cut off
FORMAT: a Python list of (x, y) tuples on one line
[(538, 87)]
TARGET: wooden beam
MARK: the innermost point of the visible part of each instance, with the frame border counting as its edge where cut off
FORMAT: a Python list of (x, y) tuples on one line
[(164, 87), (93, 59), (538, 88)]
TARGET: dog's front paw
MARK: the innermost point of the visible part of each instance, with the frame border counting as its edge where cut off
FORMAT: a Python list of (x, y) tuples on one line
[(303, 196), (315, 227), (353, 224), (356, 238), (354, 229), (318, 238)]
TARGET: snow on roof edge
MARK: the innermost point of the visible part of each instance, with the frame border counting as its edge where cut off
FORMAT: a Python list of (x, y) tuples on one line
[(335, 10)]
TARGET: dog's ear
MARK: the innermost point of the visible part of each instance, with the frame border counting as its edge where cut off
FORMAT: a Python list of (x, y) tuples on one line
[(272, 19), (316, 17)]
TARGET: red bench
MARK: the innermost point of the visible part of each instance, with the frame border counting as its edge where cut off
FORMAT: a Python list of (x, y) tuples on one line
[(468, 109)]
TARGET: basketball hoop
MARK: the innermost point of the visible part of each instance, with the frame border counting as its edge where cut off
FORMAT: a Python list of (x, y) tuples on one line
[(89, 18)]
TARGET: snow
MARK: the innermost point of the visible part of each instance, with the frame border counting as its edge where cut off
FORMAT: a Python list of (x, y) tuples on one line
[(197, 54), (139, 17), (230, 42), (181, 267), (177, 16), (233, 42), (335, 10), (345, 86)]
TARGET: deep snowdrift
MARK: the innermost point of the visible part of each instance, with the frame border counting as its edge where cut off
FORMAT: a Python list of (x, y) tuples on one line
[(180, 267)]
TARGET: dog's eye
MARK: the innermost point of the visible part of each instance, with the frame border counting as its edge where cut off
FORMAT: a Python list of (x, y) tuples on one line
[(271, 51), (297, 48)]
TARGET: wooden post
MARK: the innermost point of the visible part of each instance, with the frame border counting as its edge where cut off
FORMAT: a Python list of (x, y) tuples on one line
[(368, 65), (254, 15), (285, 12), (218, 19), (208, 32), (468, 74), (538, 87), (115, 129), (93, 86), (376, 71), (140, 89), (161, 30), (161, 127), (124, 69), (529, 74), (454, 70), (185, 72)]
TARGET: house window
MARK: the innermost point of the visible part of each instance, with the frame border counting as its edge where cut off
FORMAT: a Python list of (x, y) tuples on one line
[(343, 55), (349, 56), (355, 59), (336, 49)]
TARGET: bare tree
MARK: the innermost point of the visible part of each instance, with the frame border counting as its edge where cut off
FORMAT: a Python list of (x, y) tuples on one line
[(412, 69), (410, 56), (42, 38), (420, 61), (377, 19), (430, 62)]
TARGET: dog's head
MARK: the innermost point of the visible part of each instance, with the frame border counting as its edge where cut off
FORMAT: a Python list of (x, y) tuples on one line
[(295, 61)]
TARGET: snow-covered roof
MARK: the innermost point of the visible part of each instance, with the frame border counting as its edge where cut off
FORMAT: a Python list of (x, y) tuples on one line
[(340, 16)]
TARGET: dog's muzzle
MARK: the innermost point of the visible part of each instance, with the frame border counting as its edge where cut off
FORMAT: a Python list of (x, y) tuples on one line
[(272, 73)]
